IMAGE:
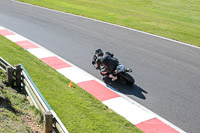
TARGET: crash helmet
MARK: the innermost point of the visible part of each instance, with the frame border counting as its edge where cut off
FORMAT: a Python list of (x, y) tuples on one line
[(98, 52), (107, 53)]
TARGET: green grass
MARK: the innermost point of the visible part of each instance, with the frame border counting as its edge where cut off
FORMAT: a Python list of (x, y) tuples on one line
[(175, 19), (78, 110), (14, 105)]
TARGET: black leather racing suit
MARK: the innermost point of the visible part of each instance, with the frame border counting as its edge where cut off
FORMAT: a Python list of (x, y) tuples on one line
[(107, 61)]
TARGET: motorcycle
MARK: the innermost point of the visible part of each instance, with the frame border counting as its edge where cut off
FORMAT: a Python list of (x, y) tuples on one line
[(121, 73)]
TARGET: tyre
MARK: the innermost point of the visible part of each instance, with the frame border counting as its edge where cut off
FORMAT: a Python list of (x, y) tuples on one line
[(127, 79)]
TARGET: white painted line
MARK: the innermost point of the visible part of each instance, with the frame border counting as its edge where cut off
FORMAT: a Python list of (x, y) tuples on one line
[(130, 111), (16, 38), (41, 53), (147, 110), (75, 74), (1, 28), (190, 45)]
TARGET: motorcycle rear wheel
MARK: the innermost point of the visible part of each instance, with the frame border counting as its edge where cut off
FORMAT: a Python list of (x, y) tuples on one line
[(127, 78)]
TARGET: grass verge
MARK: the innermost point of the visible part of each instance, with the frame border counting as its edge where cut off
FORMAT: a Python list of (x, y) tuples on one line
[(16, 113), (78, 110), (175, 19)]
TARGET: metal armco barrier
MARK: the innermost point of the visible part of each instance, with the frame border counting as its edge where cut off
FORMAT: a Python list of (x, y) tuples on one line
[(19, 78)]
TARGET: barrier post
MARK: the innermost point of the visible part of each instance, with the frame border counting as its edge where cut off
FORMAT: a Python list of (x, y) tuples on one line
[(18, 77), (48, 122), (9, 75)]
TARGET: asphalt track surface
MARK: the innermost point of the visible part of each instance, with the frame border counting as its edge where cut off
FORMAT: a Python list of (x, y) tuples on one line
[(167, 73)]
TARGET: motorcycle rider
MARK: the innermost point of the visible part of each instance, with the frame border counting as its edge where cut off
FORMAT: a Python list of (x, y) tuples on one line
[(106, 60)]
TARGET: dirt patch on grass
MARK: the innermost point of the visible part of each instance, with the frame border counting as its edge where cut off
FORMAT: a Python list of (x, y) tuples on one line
[(16, 113)]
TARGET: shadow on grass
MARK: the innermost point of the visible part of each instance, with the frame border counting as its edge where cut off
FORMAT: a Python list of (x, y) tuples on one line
[(125, 89)]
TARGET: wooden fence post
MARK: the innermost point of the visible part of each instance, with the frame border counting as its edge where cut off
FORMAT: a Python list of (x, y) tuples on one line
[(48, 122), (9, 75), (18, 76)]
